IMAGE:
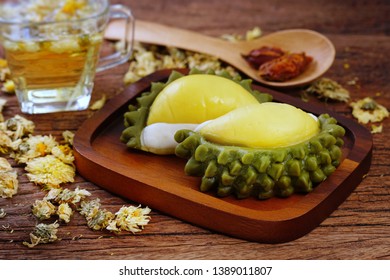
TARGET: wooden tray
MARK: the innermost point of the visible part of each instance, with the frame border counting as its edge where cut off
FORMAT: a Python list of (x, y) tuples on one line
[(160, 183)]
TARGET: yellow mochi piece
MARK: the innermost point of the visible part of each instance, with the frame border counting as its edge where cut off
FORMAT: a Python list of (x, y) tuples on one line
[(197, 98), (266, 125)]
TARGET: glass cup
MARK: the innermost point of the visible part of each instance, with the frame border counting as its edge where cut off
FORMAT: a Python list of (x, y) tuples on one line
[(53, 47)]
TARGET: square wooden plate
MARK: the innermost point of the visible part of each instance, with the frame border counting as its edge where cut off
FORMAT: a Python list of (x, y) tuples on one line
[(160, 183)]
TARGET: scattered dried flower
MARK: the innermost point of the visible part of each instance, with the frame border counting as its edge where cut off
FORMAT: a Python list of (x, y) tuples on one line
[(368, 110), (98, 219), (64, 212), (11, 132), (34, 147), (130, 218), (329, 89), (376, 128), (253, 34), (52, 194), (43, 233), (86, 206), (43, 209), (5, 165), (2, 213), (64, 153), (73, 197), (17, 127), (6, 143), (98, 104), (8, 86), (2, 104), (8, 229), (9, 183), (233, 38), (68, 137)]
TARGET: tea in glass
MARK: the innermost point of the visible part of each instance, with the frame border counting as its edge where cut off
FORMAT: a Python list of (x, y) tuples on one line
[(52, 49)]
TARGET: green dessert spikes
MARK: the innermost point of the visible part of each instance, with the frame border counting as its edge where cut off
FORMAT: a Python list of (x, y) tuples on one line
[(263, 173)]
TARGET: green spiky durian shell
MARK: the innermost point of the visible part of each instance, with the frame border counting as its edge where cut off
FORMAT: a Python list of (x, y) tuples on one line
[(263, 173), (136, 117)]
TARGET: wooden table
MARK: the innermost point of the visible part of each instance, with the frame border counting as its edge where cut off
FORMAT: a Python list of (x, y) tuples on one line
[(358, 229)]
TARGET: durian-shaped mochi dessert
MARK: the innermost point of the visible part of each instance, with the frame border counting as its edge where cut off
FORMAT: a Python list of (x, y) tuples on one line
[(234, 137), (184, 102), (262, 150)]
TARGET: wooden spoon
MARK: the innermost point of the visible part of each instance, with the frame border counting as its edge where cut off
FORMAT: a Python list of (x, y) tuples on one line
[(312, 43)]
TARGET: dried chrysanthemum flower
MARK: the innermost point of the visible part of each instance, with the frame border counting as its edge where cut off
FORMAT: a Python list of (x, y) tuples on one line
[(18, 127), (376, 128), (329, 89), (43, 233), (130, 218), (73, 197), (8, 86), (233, 38), (5, 142), (64, 212), (2, 213), (35, 146), (9, 183), (368, 110), (131, 77), (2, 104), (11, 131), (68, 137), (97, 219), (174, 58), (86, 206), (7, 145), (250, 35), (98, 104), (49, 171), (43, 209), (253, 34), (52, 194), (5, 165), (64, 153)]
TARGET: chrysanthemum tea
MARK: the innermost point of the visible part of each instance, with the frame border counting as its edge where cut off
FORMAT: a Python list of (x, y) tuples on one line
[(52, 49)]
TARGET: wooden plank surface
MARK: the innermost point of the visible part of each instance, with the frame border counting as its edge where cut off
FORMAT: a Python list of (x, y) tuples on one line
[(358, 229)]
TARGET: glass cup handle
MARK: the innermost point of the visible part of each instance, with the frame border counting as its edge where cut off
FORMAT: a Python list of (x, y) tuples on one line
[(123, 55)]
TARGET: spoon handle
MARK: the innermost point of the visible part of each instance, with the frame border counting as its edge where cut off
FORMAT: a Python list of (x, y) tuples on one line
[(153, 33)]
